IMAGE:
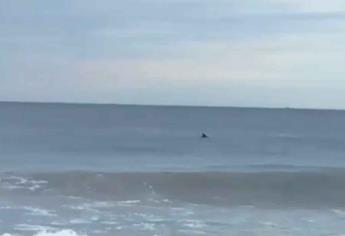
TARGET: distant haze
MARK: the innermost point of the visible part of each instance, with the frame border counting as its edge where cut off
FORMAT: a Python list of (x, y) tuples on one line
[(261, 53)]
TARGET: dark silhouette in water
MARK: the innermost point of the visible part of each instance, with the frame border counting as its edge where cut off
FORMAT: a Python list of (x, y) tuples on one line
[(203, 135)]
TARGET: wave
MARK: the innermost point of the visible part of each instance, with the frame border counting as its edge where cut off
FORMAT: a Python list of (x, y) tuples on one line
[(65, 232), (306, 189)]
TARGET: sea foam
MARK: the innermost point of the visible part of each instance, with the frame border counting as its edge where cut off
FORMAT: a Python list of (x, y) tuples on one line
[(65, 232)]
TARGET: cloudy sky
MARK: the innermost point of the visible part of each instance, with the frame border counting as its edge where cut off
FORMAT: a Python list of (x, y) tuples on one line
[(267, 53)]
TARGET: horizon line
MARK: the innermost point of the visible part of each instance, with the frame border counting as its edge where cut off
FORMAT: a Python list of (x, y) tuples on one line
[(169, 105)]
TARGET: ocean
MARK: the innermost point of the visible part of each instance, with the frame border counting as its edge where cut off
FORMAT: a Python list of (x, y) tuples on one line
[(118, 170)]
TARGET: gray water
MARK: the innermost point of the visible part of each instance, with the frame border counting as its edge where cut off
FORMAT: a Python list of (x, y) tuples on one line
[(140, 170)]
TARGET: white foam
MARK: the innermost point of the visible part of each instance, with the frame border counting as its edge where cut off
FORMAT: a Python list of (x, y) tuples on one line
[(181, 211), (339, 212), (190, 232), (37, 228), (39, 211), (18, 182), (109, 222), (93, 206), (269, 224), (80, 221), (65, 232), (128, 203), (194, 224), (95, 218), (146, 226), (150, 217)]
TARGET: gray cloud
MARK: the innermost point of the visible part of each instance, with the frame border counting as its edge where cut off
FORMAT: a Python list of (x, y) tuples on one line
[(127, 45)]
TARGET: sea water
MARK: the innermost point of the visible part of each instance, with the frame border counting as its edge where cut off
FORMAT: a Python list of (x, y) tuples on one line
[(145, 170)]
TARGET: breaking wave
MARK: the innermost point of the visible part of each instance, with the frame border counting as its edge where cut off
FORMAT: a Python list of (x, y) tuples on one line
[(276, 189), (66, 232)]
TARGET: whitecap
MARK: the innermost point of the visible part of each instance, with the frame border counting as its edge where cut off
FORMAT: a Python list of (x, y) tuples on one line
[(79, 221), (65, 232), (27, 227), (194, 224), (19, 182), (39, 211), (93, 206), (146, 226), (269, 224), (189, 232), (339, 212), (128, 203)]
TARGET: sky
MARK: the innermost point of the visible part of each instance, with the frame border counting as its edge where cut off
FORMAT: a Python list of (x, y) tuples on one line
[(256, 53)]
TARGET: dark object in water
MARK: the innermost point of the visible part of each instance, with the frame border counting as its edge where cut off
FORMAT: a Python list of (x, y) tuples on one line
[(203, 135)]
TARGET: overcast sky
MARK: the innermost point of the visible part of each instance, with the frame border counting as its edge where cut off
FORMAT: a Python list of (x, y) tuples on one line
[(267, 53)]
